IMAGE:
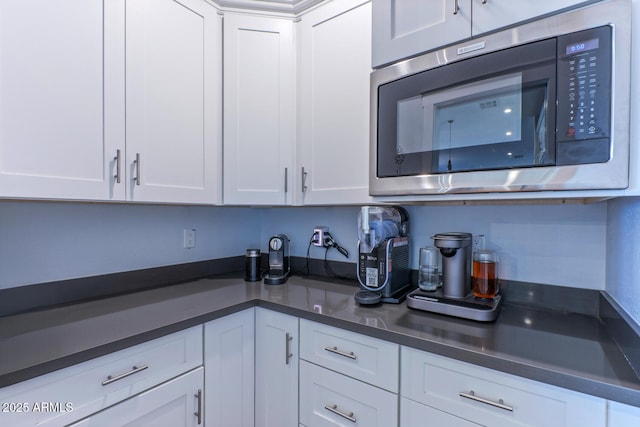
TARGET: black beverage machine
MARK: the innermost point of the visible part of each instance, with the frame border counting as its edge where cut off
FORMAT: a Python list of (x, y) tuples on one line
[(383, 255)]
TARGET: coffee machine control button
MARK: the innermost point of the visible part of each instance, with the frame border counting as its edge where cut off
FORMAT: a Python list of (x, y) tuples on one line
[(275, 244)]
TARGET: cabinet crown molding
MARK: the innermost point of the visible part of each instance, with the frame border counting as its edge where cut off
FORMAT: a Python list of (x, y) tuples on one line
[(293, 7)]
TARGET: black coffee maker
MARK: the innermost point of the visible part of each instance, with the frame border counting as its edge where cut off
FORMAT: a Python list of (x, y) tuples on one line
[(279, 267)]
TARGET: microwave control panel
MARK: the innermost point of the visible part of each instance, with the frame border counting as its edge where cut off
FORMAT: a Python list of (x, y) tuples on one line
[(584, 96)]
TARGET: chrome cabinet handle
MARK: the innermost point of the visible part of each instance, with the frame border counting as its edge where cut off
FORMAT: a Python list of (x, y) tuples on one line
[(335, 350), (334, 408), (287, 348), (456, 7), (499, 404), (198, 413), (117, 160), (111, 379), (136, 162), (286, 180), (304, 180)]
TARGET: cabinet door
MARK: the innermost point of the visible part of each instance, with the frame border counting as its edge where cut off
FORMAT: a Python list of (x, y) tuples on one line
[(331, 399), (175, 403), (258, 109), (276, 369), (493, 398), (57, 135), (333, 129), (414, 414), (621, 415), (405, 28), (490, 15), (229, 364), (172, 91)]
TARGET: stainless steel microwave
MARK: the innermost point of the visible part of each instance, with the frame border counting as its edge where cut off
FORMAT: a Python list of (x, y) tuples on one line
[(541, 106)]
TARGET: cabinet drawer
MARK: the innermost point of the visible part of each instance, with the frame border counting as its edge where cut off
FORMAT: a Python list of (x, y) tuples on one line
[(414, 414), (331, 399), (489, 397), (81, 390), (368, 359)]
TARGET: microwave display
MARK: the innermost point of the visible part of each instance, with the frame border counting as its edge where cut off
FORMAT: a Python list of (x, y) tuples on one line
[(544, 103)]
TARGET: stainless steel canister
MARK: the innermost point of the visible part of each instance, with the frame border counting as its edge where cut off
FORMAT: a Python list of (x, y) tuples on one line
[(252, 265)]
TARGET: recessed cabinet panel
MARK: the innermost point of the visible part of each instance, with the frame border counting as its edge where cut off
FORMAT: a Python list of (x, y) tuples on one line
[(170, 144), (52, 106), (405, 28), (276, 369), (258, 106), (229, 354)]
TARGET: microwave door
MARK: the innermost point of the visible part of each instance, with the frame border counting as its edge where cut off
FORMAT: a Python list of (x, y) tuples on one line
[(462, 123)]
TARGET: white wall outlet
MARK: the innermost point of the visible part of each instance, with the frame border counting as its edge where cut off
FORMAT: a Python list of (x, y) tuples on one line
[(189, 238), (477, 242), (319, 233)]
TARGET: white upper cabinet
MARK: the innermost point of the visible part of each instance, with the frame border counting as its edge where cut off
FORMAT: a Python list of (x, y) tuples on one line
[(114, 100), (258, 109), (55, 115), (334, 54), (489, 15), (172, 92), (405, 28)]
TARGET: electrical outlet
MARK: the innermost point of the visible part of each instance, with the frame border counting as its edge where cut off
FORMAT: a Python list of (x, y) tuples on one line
[(189, 238), (477, 242), (319, 233)]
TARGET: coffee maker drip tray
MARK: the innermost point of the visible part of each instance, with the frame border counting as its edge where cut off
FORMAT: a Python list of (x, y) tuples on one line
[(470, 307)]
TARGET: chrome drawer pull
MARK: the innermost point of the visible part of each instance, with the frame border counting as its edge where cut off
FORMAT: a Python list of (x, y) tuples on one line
[(335, 410), (111, 379), (136, 162), (116, 159), (335, 350), (499, 404), (287, 348), (198, 413)]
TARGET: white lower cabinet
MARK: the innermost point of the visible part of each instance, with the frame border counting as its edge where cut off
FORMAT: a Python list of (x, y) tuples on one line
[(621, 415), (367, 359), (82, 390), (331, 399), (414, 414), (346, 378), (492, 398), (176, 403), (276, 369), (229, 377)]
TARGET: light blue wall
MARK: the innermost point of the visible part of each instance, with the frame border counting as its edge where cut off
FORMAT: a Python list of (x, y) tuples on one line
[(41, 242), (549, 244), (623, 254)]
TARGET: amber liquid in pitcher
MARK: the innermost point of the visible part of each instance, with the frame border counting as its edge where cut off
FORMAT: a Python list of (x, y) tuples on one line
[(484, 281)]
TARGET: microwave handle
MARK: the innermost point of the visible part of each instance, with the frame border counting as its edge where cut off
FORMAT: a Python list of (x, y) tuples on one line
[(456, 7)]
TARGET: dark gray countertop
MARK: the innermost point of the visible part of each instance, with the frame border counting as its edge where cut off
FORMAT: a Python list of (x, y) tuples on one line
[(572, 351)]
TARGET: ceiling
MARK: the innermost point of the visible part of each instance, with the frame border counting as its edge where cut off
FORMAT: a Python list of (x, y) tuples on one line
[(288, 6)]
